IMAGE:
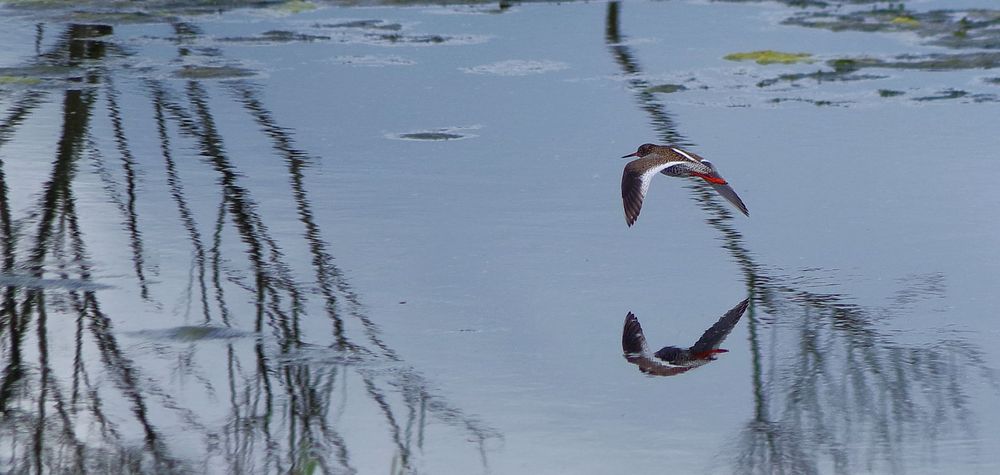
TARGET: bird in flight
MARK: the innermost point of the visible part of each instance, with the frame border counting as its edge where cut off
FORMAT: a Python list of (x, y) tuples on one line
[(671, 161), (671, 360)]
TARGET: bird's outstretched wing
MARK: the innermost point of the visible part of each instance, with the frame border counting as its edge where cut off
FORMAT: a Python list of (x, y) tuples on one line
[(637, 353), (725, 190), (635, 183), (633, 341), (714, 336)]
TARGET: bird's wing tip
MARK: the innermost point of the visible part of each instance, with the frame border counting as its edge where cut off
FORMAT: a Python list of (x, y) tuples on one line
[(633, 341)]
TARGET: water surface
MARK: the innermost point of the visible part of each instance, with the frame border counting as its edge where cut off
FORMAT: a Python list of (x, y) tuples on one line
[(355, 239)]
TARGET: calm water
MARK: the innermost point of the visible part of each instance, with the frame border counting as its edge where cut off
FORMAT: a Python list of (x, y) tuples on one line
[(310, 238)]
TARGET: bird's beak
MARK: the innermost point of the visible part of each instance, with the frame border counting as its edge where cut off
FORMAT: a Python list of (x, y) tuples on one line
[(633, 154)]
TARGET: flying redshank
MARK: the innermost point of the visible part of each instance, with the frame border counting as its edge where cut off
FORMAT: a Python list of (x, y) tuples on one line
[(671, 161)]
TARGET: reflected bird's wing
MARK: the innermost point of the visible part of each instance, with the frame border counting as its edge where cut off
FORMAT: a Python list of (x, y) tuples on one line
[(633, 341), (654, 368), (725, 190), (635, 183), (637, 353), (714, 336)]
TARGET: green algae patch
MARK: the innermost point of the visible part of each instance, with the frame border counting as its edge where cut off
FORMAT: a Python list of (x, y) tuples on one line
[(431, 136), (364, 24), (951, 94), (435, 135), (943, 95), (951, 28), (120, 17), (212, 72), (843, 65), (820, 76), (815, 102), (417, 39), (275, 36), (905, 20), (39, 4), (18, 81), (926, 62), (295, 6), (770, 57), (41, 75), (282, 35), (193, 333), (666, 88)]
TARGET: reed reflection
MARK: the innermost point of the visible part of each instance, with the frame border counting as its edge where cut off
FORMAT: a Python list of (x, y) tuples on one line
[(76, 394), (826, 380), (672, 360)]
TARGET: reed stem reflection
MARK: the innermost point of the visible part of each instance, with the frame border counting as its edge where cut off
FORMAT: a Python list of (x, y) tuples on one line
[(77, 393)]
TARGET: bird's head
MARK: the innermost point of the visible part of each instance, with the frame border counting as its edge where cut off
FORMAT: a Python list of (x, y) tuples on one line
[(644, 149)]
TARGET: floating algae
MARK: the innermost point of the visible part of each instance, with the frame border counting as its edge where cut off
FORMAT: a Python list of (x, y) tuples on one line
[(815, 102), (769, 57), (431, 136), (364, 24), (294, 6), (943, 95), (925, 62), (442, 134), (374, 60), (18, 81), (383, 33), (905, 20), (949, 94), (192, 333), (212, 72), (666, 88), (820, 76), (971, 28), (121, 17), (275, 36), (517, 67)]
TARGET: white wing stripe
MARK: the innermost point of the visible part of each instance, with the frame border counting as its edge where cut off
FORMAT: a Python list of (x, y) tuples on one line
[(689, 157)]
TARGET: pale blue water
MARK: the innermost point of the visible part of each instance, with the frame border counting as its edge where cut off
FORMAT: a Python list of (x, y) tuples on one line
[(456, 306)]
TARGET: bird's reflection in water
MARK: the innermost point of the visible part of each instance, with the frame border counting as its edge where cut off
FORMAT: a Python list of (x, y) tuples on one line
[(671, 360)]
